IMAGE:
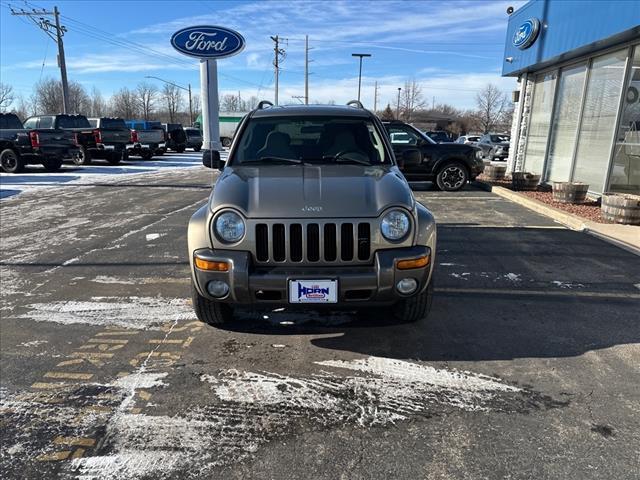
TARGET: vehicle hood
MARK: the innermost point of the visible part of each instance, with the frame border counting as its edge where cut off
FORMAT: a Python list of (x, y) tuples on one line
[(318, 191)]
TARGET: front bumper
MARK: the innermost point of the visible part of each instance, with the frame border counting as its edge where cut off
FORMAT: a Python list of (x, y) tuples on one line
[(358, 285)]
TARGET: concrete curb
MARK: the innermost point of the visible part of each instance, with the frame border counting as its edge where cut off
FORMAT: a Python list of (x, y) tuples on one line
[(567, 219)]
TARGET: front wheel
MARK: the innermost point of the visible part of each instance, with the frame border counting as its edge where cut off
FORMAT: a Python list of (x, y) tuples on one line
[(452, 177), (226, 142), (414, 308), (52, 164), (10, 161), (83, 157), (213, 313)]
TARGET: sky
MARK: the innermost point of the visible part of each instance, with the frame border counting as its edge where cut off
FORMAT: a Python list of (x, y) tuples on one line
[(451, 48)]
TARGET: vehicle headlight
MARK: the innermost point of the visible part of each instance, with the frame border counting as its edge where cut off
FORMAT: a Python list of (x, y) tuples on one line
[(478, 154), (230, 227), (395, 225)]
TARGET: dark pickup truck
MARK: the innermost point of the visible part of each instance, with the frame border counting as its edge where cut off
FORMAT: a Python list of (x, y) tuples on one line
[(21, 146), (176, 136), (88, 138), (449, 165), (113, 136)]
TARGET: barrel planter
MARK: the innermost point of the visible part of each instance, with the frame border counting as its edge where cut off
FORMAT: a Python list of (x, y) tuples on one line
[(524, 181), (621, 208), (495, 172), (570, 192)]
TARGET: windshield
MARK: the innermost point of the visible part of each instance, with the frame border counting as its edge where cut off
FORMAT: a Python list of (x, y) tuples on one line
[(112, 123), (500, 138), (322, 139), (79, 121), (193, 133), (10, 121)]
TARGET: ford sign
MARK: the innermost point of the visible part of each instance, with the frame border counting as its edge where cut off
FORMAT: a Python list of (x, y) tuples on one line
[(526, 34), (206, 41)]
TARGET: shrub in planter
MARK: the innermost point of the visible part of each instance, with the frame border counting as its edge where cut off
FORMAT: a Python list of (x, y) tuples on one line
[(621, 208), (524, 180), (495, 172), (570, 192)]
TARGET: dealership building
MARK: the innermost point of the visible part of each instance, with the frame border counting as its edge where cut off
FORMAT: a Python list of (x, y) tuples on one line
[(577, 116)]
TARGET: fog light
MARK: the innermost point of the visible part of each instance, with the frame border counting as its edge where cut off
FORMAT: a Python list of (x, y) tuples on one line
[(407, 285), (217, 288)]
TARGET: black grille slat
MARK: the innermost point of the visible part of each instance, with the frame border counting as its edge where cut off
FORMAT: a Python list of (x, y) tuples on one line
[(295, 242), (346, 241), (364, 241), (330, 245), (262, 242), (279, 243), (313, 242)]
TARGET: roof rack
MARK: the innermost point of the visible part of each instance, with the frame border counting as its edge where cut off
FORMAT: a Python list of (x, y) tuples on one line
[(264, 103), (356, 104)]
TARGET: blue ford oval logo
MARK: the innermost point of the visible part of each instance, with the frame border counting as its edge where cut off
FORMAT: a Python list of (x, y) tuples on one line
[(207, 41), (526, 33)]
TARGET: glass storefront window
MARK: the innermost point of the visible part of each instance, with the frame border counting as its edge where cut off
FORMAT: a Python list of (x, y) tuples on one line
[(625, 174), (541, 108), (564, 123), (599, 119)]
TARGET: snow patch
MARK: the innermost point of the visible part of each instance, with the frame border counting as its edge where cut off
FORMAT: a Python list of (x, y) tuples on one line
[(154, 236), (113, 280), (33, 343), (141, 380), (560, 284)]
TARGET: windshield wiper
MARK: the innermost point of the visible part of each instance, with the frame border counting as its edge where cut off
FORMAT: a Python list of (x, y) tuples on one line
[(344, 158), (271, 160)]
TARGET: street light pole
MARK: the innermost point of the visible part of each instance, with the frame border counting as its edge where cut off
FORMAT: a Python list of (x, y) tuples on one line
[(398, 107), (360, 74), (187, 89)]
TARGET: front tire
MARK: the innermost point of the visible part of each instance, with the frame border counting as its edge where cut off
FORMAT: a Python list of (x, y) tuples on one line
[(414, 308), (52, 164), (83, 157), (212, 313), (226, 142), (452, 176), (11, 162)]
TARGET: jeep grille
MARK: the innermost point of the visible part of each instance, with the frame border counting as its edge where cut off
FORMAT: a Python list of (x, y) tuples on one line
[(313, 242)]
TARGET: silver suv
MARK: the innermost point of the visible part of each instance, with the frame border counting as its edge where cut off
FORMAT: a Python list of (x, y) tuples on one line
[(311, 210)]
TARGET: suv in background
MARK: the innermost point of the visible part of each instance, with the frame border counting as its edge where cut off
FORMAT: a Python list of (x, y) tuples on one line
[(20, 147), (194, 138), (468, 139), (176, 137), (336, 224), (112, 135), (495, 146), (449, 165), (439, 136)]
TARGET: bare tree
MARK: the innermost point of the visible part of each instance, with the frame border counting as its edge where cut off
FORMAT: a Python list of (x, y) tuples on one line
[(48, 97), (79, 100), (146, 94), (6, 96), (197, 106), (123, 104), (491, 105), (98, 104), (173, 100), (411, 99), (230, 103), (23, 108)]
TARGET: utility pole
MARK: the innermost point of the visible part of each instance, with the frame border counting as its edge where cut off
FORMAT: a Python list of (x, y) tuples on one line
[(306, 69), (45, 25), (360, 74), (277, 52), (375, 97), (398, 107), (190, 105)]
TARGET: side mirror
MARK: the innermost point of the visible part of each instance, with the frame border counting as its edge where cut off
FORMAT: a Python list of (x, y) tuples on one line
[(411, 158), (211, 159)]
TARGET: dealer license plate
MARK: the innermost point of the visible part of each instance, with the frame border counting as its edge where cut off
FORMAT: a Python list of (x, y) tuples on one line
[(313, 291)]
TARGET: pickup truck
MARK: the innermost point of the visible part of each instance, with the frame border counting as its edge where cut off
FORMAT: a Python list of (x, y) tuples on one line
[(176, 136), (147, 139), (20, 147), (112, 135), (194, 138), (87, 137)]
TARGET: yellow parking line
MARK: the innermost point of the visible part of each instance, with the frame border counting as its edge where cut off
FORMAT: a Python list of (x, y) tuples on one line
[(52, 457), (75, 361), (49, 386), (165, 340), (106, 334), (78, 453), (108, 340), (69, 375), (75, 441), (144, 395)]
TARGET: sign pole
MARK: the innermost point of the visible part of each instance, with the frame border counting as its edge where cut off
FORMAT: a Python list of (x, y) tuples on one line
[(210, 113)]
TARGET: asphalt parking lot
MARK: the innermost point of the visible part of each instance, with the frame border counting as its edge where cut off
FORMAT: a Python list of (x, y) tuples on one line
[(526, 368)]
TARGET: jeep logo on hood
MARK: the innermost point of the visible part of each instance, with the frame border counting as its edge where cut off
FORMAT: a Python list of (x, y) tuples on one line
[(206, 41)]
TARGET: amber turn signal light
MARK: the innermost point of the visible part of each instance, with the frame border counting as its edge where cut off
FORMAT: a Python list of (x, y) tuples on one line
[(413, 263), (211, 266)]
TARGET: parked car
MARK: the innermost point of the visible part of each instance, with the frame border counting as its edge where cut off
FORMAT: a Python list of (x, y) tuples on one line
[(495, 146), (194, 138), (176, 138), (336, 224), (468, 139), (439, 136), (449, 165), (112, 135), (87, 137), (20, 146), (147, 139)]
